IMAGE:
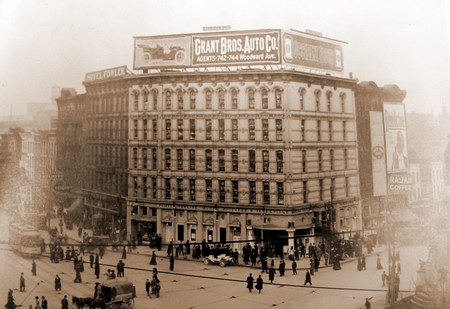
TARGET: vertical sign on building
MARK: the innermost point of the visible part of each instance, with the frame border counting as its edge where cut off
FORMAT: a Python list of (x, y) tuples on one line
[(399, 180), (378, 154)]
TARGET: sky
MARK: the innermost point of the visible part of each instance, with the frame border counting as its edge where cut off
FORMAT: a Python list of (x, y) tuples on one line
[(56, 42)]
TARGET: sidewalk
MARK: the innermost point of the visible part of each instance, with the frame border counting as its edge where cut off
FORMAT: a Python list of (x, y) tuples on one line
[(145, 250)]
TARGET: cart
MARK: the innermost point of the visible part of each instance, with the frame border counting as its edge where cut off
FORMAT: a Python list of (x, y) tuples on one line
[(118, 294)]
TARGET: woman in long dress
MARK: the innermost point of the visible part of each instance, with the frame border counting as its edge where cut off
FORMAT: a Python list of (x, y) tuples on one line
[(153, 259)]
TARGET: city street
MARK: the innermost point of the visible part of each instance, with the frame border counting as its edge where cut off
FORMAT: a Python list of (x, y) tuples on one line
[(195, 285)]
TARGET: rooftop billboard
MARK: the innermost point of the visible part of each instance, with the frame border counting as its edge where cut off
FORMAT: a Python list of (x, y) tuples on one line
[(238, 48)]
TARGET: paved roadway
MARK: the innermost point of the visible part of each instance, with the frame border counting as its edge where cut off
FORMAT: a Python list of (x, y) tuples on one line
[(179, 291)]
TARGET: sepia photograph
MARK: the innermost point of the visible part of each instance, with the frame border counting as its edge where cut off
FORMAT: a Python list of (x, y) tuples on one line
[(194, 154)]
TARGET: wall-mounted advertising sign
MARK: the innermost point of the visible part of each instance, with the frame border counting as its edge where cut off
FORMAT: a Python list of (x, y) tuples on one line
[(236, 49), (310, 52), (378, 154), (106, 74), (400, 183)]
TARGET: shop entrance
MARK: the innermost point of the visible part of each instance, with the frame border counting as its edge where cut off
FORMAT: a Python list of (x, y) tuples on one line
[(180, 232), (223, 235)]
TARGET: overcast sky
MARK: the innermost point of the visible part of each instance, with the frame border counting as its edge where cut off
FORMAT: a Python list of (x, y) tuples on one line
[(55, 42)]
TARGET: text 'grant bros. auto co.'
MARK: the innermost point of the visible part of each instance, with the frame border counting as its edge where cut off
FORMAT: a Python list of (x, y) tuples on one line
[(236, 48)]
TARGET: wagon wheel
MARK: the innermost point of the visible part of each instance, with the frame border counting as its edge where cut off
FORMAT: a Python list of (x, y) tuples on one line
[(131, 303), (206, 261)]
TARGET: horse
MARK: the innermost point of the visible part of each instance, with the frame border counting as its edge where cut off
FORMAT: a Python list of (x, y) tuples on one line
[(92, 303)]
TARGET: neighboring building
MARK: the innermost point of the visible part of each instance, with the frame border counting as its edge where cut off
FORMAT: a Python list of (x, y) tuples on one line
[(416, 192), (383, 170)]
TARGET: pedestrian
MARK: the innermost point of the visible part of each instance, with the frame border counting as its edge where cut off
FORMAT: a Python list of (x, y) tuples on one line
[(124, 253), (147, 287), (172, 262), (383, 277), (57, 283), (367, 304), (170, 249), (10, 304), (37, 303), (271, 274), (44, 303), (363, 262), (64, 303), (250, 283), (153, 259), (259, 284), (77, 276), (282, 268), (22, 283), (379, 262), (33, 268), (97, 267), (264, 265), (91, 260), (308, 278), (399, 269), (294, 267), (120, 269)]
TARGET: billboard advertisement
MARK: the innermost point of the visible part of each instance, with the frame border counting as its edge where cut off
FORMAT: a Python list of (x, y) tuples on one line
[(397, 162), (311, 52), (160, 52), (236, 49), (378, 154)]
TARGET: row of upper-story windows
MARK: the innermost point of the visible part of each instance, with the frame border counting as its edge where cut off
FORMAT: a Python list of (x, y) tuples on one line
[(108, 155), (211, 190), (115, 129), (109, 104), (238, 129), (232, 99), (116, 183)]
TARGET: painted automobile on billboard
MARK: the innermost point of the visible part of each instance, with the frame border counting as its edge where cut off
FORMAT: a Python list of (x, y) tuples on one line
[(314, 53), (156, 52), (236, 49)]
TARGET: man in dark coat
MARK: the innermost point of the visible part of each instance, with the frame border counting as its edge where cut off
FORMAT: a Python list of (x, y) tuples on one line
[(170, 249), (172, 262), (44, 303), (250, 283), (91, 260), (124, 253), (33, 268), (264, 265), (22, 283), (271, 274), (64, 303), (188, 247), (97, 266), (147, 287), (308, 278), (259, 284), (57, 283), (282, 268), (294, 267)]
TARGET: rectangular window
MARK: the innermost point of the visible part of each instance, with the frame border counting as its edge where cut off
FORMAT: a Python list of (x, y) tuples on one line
[(208, 185), (331, 159), (192, 98), (222, 191), (252, 192), (192, 189), (155, 100), (208, 125), (144, 158), (235, 189), (180, 129), (251, 161), (167, 188), (234, 99), (344, 130), (265, 129), (279, 158), (304, 161), (319, 159), (208, 99), (135, 157), (266, 193), (192, 129), (180, 100), (154, 188), (251, 129), (305, 191), (319, 137), (345, 158), (168, 129), (208, 160), (320, 189), (180, 190), (221, 160), (234, 129), (144, 187), (144, 211), (180, 159), (302, 92), (155, 129), (192, 159), (347, 186), (330, 130), (168, 100), (167, 158), (221, 99), (332, 189), (302, 130), (135, 186), (144, 122), (265, 158), (280, 193), (235, 160), (221, 129), (135, 129), (279, 129), (154, 159)]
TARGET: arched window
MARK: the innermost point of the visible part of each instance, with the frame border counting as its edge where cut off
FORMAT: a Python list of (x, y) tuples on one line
[(278, 99), (251, 98), (192, 99), (234, 98), (342, 96), (221, 93), (180, 99), (208, 99), (145, 99), (329, 95), (317, 95), (135, 100), (168, 97), (264, 98)]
